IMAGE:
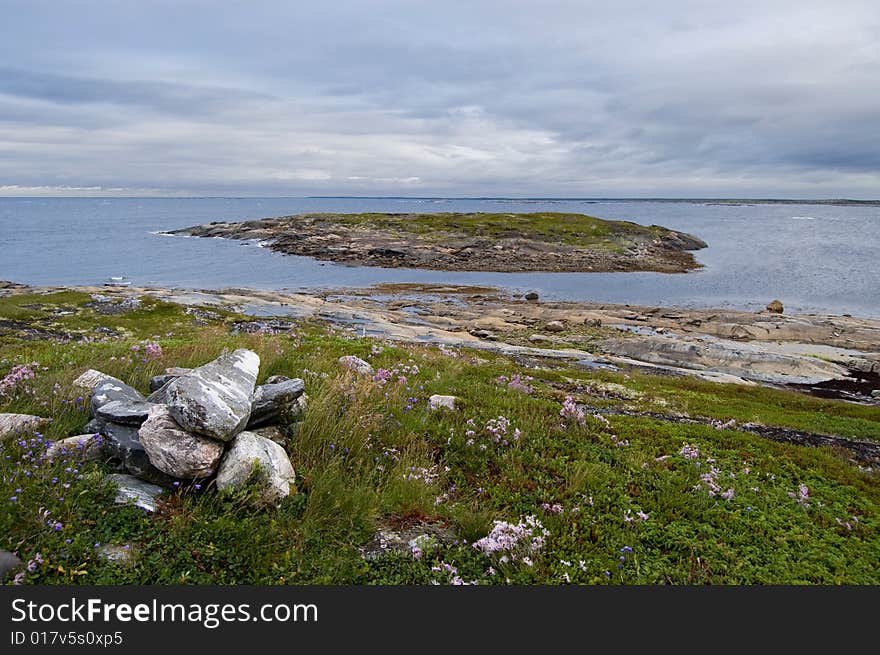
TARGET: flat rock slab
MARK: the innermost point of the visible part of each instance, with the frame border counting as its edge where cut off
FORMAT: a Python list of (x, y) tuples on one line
[(271, 401), (176, 452), (110, 389), (127, 412), (18, 423), (132, 489), (249, 450), (214, 400), (750, 361)]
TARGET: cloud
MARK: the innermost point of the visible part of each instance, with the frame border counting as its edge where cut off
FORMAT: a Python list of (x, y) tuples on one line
[(477, 98)]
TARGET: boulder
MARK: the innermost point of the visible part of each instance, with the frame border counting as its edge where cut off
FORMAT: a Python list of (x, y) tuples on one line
[(120, 555), (109, 390), (775, 307), (272, 400), (437, 401), (249, 451), (126, 412), (531, 295), (84, 447), (90, 379), (875, 393), (593, 322), (176, 452), (9, 563), (356, 364), (130, 489), (554, 326), (214, 400), (16, 423)]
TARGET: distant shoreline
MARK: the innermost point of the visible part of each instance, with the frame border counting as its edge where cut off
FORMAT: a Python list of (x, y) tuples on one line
[(841, 202)]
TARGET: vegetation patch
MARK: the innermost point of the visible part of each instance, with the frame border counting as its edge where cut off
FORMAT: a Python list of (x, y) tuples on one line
[(521, 483)]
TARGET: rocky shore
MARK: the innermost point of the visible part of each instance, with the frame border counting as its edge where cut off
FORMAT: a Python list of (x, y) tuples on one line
[(829, 356), (469, 242)]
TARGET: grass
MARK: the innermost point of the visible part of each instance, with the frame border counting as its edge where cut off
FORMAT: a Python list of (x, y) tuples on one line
[(369, 455), (554, 227)]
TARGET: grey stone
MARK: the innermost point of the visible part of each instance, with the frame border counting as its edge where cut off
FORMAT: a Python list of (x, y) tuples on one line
[(356, 364), (480, 333), (90, 379), (176, 452), (127, 412), (875, 393), (531, 295), (593, 322), (595, 364), (131, 489), (84, 447), (121, 555), (9, 563), (215, 399), (417, 540), (94, 426), (438, 401), (19, 423), (275, 379), (554, 326), (110, 389), (249, 450), (271, 400)]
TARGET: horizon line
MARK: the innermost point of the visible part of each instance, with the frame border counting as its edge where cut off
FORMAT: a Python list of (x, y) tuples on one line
[(511, 198)]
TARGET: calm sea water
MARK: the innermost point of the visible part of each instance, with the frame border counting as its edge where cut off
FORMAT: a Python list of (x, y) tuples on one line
[(815, 258)]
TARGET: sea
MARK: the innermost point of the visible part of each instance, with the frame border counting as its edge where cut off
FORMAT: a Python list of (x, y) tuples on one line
[(816, 258)]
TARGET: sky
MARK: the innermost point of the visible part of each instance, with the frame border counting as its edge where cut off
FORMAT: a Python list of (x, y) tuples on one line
[(549, 98)]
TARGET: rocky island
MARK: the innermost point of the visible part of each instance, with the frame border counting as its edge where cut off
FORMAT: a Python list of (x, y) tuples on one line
[(547, 241)]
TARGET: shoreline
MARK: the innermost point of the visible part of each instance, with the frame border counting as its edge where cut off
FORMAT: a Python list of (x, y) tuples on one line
[(834, 356)]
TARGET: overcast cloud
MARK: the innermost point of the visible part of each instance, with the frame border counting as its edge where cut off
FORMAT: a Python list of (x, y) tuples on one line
[(477, 98)]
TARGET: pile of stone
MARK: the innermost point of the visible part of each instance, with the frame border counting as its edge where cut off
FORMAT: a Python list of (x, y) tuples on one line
[(208, 423)]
